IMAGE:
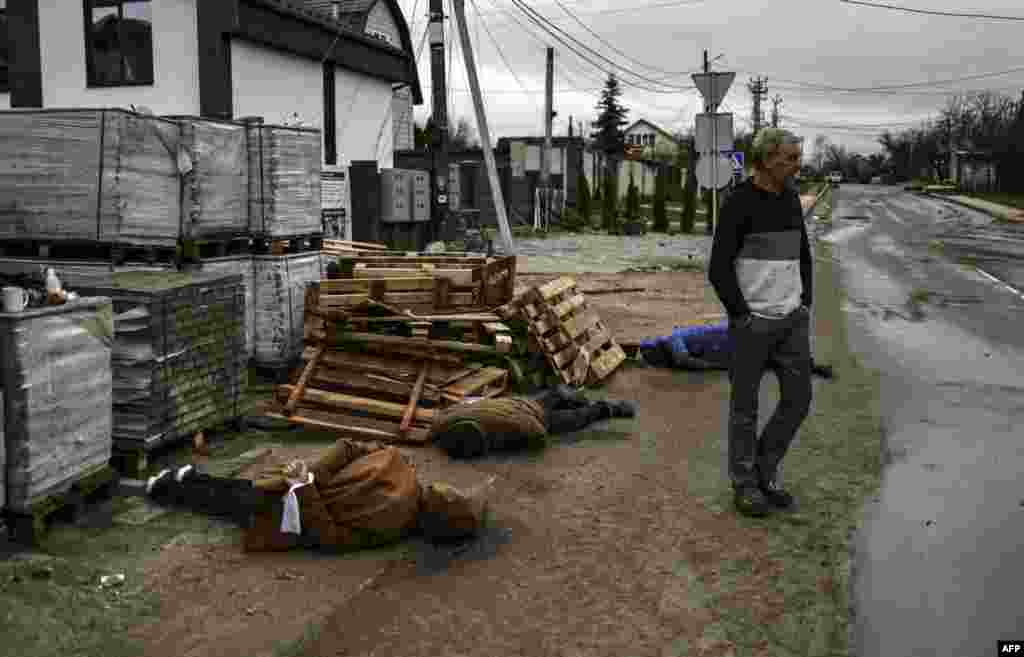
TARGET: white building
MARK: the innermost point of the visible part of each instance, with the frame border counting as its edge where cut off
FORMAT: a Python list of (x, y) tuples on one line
[(220, 59)]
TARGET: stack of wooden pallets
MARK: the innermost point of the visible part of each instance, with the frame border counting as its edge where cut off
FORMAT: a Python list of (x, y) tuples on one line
[(576, 342)]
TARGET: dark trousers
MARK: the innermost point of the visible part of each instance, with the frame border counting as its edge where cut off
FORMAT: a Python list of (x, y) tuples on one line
[(782, 345), (219, 496), (564, 416)]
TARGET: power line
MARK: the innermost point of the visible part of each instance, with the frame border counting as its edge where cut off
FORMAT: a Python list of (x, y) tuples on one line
[(497, 47), (906, 85), (633, 8), (541, 21), (612, 46), (932, 12)]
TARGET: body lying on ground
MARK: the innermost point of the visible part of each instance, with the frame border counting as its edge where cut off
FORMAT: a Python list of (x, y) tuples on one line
[(360, 495)]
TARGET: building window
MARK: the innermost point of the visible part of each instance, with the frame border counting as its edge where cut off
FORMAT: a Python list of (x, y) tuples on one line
[(5, 84), (119, 42), (468, 171)]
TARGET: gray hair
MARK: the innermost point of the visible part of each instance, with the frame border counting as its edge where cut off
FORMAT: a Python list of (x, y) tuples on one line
[(767, 141)]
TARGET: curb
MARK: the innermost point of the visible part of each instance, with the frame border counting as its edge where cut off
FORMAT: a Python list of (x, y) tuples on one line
[(994, 215)]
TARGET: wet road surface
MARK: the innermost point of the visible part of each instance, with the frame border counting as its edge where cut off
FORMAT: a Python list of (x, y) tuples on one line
[(937, 566)]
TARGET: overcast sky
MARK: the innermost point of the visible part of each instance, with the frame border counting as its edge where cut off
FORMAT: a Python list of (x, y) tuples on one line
[(795, 43)]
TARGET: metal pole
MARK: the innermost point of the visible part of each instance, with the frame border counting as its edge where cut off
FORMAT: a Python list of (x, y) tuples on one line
[(439, 138), (481, 124), (545, 155)]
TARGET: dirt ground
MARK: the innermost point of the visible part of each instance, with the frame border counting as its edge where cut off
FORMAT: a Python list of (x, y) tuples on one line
[(667, 300)]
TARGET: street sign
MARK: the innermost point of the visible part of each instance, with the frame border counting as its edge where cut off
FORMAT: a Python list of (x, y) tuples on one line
[(737, 161), (713, 86), (714, 171), (714, 133)]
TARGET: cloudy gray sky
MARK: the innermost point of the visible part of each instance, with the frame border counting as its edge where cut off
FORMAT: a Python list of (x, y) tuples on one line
[(800, 45)]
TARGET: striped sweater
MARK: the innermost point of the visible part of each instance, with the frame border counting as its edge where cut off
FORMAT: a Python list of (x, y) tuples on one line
[(761, 259)]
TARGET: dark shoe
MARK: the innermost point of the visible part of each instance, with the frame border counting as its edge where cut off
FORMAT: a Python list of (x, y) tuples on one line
[(750, 501), (618, 408), (775, 495), (571, 396), (464, 439), (156, 486)]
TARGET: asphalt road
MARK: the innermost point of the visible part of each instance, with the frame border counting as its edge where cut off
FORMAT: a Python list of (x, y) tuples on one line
[(938, 564)]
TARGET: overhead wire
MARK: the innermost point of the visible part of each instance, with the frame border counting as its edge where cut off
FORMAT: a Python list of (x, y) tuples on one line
[(933, 12), (612, 46), (501, 53), (557, 33)]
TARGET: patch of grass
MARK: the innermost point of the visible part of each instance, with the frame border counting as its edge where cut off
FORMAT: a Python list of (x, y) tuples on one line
[(833, 469), (68, 613), (1004, 198), (919, 296)]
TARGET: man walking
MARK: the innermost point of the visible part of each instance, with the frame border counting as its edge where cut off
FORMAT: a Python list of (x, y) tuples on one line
[(761, 270)]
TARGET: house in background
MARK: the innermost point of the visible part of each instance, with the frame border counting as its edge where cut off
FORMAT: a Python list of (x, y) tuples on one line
[(647, 146), (973, 171), (218, 59)]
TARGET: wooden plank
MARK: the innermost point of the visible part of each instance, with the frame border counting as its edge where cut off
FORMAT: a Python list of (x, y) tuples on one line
[(419, 437), (300, 387), (350, 243), (575, 326), (555, 287), (414, 399), (568, 306), (385, 365), (350, 285), (415, 260), (398, 341), (483, 377), (399, 369), (353, 403), (462, 277), (331, 301), (607, 362), (370, 384), (409, 348), (496, 327), (468, 317)]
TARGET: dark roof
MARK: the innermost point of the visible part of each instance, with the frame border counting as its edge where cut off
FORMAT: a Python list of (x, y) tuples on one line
[(352, 17)]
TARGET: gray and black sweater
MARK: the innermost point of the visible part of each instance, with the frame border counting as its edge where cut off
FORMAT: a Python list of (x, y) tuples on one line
[(761, 258)]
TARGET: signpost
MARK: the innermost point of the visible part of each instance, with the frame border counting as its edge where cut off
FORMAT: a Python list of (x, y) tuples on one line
[(714, 132)]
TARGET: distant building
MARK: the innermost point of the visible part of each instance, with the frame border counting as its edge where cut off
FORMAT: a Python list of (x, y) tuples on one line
[(655, 145), (973, 171)]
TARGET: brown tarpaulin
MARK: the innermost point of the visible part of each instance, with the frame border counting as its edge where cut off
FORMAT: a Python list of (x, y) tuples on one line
[(362, 494)]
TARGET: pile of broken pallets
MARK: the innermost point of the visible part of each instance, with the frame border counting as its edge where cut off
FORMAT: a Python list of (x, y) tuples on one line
[(399, 338)]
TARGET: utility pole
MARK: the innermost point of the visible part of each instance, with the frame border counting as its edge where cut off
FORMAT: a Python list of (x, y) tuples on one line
[(439, 141), (757, 89), (481, 124), (776, 101), (545, 154)]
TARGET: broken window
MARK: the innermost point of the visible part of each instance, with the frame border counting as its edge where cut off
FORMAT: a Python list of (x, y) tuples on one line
[(5, 84), (119, 42)]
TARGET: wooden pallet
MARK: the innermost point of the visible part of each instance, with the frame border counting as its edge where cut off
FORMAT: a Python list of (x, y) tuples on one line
[(575, 341), (26, 527), (287, 246), (106, 252)]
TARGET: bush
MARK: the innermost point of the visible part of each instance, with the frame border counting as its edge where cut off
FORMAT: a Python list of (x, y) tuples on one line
[(632, 200), (583, 206), (574, 221), (609, 206), (660, 214)]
